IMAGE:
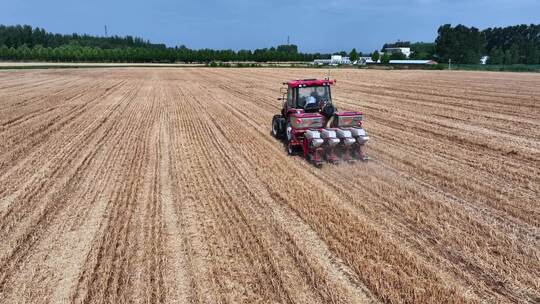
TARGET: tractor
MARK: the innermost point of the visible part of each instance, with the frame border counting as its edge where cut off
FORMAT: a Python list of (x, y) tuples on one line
[(310, 124)]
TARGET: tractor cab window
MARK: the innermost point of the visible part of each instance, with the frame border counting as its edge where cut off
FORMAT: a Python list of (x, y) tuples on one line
[(290, 98), (313, 95)]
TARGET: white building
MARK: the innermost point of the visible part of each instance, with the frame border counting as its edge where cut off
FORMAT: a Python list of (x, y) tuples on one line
[(334, 60), (338, 59), (484, 59), (322, 61), (364, 61), (413, 62), (403, 50)]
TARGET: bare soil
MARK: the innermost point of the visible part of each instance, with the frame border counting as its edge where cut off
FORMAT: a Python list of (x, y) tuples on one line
[(164, 185)]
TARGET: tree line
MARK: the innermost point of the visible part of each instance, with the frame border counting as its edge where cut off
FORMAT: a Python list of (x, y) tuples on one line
[(513, 44), (519, 44), (461, 44), (78, 53), (23, 42), (19, 35)]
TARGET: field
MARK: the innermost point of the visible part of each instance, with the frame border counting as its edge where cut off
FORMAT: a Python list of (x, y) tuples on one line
[(164, 185)]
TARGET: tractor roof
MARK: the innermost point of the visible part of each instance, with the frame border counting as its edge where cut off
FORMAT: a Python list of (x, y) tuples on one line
[(309, 82)]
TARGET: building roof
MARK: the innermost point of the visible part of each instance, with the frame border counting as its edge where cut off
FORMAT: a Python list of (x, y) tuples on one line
[(413, 62), (397, 48)]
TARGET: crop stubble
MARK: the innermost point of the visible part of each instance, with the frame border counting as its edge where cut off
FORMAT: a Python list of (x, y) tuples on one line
[(164, 185)]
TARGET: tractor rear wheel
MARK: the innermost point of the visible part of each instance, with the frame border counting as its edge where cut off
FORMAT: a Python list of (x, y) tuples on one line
[(277, 126)]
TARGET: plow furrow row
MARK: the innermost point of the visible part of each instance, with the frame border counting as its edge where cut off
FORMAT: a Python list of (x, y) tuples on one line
[(140, 185)]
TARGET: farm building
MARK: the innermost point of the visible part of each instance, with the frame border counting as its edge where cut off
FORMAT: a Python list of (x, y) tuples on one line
[(484, 59), (413, 62), (334, 60), (403, 50), (365, 60)]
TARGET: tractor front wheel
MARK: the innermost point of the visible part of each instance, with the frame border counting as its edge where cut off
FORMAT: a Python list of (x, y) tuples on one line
[(290, 149)]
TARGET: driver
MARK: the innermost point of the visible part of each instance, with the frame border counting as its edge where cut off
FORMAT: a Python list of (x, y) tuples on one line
[(309, 101), (302, 98)]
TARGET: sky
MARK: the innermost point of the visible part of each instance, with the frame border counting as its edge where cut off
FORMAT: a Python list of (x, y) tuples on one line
[(313, 25)]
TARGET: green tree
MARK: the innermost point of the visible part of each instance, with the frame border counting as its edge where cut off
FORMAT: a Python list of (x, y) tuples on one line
[(398, 56), (24, 52), (288, 48), (526, 39), (496, 56), (375, 56), (460, 43), (511, 56), (353, 55), (4, 52), (532, 53), (421, 56), (396, 45), (385, 59), (422, 50)]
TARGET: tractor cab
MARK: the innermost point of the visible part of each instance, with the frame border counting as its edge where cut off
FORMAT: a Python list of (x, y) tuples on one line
[(309, 95)]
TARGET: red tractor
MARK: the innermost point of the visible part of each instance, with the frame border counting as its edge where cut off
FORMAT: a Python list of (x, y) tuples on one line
[(310, 123)]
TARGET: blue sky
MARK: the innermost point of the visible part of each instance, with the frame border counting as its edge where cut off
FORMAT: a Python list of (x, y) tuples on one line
[(314, 25)]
